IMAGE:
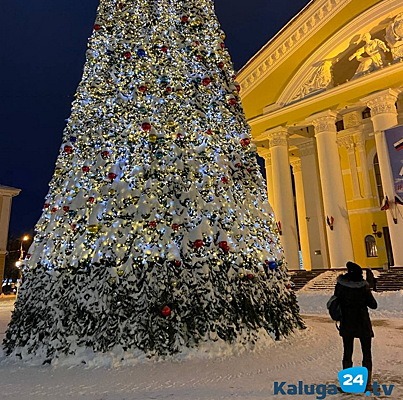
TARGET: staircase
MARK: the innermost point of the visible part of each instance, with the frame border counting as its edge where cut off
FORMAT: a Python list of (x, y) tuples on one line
[(326, 281), (301, 278), (388, 281)]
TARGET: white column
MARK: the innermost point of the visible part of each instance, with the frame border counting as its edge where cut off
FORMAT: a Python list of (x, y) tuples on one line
[(360, 145), (313, 206), (283, 195), (348, 143), (265, 154), (384, 116), (334, 201), (301, 212)]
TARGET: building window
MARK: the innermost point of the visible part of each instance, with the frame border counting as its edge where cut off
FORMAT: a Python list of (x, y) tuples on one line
[(378, 179), (340, 125), (370, 246), (366, 113)]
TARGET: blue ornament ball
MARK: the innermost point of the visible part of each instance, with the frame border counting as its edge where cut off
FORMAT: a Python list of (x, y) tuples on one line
[(273, 265), (141, 53)]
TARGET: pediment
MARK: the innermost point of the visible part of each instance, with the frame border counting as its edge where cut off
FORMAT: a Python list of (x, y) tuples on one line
[(371, 42)]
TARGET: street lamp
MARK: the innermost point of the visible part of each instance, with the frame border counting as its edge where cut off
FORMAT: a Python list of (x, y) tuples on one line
[(25, 238)]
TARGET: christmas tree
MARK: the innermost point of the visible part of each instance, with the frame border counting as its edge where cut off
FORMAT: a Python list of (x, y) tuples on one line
[(156, 234)]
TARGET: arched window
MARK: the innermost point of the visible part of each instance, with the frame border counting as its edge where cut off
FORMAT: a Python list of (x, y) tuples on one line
[(370, 246), (378, 179)]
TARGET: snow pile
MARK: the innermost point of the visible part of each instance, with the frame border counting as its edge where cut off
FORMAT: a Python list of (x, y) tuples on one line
[(390, 304)]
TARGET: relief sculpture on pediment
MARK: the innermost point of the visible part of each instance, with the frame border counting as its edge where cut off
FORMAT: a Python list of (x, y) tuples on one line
[(394, 37), (370, 56)]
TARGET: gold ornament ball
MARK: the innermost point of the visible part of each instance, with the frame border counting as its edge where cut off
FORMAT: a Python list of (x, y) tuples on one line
[(120, 272), (152, 138), (93, 228)]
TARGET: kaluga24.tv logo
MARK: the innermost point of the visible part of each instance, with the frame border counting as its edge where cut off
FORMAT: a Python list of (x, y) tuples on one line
[(352, 380)]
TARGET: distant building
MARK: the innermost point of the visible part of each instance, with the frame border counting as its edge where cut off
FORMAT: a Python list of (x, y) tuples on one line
[(319, 97), (6, 195)]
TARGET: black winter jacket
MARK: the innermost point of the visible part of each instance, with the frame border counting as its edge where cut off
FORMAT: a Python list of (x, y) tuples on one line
[(355, 297)]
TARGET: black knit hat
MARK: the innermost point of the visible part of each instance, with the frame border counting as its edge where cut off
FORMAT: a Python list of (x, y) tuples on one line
[(354, 271), (353, 268)]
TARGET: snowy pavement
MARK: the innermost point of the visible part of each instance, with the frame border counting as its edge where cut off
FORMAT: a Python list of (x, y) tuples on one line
[(312, 356)]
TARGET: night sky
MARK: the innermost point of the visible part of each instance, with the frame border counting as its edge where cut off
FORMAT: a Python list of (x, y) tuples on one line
[(43, 44)]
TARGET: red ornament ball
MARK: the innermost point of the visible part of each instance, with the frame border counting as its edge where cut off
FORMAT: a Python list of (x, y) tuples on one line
[(177, 263), (166, 311), (198, 244), (175, 227), (142, 88), (85, 168), (223, 245), (250, 276), (221, 65), (168, 90), (146, 126), (127, 55), (54, 209), (185, 19), (66, 208), (68, 149), (46, 205), (237, 87), (222, 45), (245, 142), (112, 176), (91, 199), (97, 27), (105, 154), (224, 179), (164, 49), (152, 224), (238, 165), (232, 101), (206, 81)]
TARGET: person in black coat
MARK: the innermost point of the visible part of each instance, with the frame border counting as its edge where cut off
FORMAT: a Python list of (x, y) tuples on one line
[(355, 297)]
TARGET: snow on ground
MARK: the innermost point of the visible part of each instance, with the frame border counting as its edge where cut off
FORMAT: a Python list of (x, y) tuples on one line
[(312, 356)]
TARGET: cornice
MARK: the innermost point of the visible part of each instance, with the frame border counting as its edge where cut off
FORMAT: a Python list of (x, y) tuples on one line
[(9, 191), (328, 94), (314, 16)]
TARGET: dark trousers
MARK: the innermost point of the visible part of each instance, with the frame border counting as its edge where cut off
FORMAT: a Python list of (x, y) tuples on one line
[(348, 343)]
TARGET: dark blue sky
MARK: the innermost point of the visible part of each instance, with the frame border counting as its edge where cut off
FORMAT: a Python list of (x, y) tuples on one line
[(43, 44)]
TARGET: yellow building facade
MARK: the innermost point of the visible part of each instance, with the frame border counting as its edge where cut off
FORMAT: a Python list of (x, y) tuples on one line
[(320, 98)]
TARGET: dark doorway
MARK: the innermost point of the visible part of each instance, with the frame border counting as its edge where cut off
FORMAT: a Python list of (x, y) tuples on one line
[(388, 245)]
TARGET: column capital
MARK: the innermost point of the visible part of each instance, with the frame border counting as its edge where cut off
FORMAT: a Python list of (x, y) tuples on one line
[(382, 102), (324, 121), (278, 136), (296, 166), (306, 148), (346, 141)]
